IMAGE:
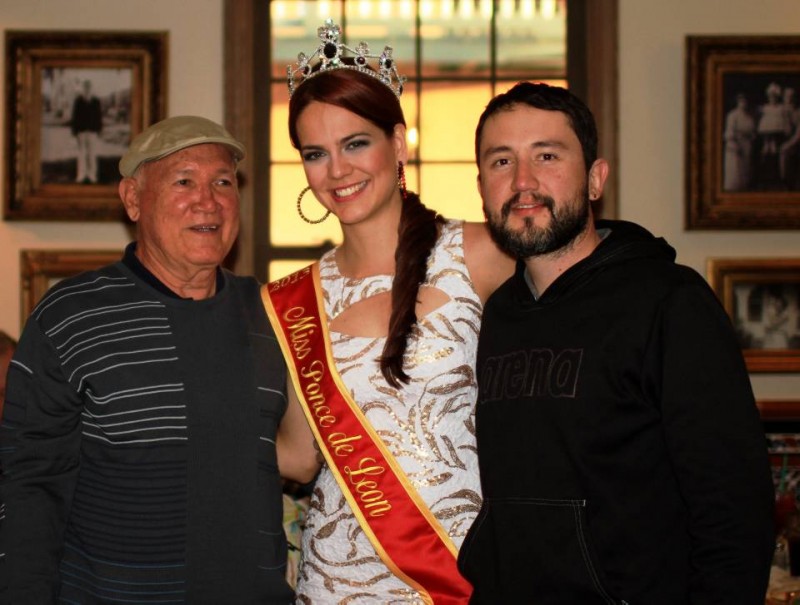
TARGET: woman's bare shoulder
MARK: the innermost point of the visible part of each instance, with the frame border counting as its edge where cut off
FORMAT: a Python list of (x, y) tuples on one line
[(488, 265)]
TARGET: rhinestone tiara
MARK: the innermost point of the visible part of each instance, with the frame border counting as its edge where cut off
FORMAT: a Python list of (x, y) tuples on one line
[(330, 54)]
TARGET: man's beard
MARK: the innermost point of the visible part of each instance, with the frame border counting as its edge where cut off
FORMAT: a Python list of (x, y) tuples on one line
[(566, 225)]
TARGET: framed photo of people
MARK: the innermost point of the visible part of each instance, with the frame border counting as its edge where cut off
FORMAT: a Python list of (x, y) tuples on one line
[(73, 102), (762, 298), (42, 269), (743, 132)]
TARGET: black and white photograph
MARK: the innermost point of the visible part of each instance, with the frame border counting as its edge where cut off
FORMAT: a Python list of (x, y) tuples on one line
[(761, 132), (766, 315), (86, 125)]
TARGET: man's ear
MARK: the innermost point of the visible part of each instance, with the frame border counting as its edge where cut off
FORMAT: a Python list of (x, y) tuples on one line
[(129, 194), (597, 178)]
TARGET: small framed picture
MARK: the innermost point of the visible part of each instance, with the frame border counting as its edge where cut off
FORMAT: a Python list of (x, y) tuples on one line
[(743, 132), (73, 102), (762, 297), (40, 270)]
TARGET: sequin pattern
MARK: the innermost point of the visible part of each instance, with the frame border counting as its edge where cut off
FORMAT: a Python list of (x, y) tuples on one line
[(428, 426)]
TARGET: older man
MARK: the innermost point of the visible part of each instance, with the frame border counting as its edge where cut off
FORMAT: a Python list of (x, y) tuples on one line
[(139, 437)]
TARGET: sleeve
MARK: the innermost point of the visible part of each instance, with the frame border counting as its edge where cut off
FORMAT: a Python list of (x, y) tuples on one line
[(718, 449), (39, 453)]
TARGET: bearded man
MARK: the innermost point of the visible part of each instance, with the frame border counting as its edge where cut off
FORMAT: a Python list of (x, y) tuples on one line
[(621, 454)]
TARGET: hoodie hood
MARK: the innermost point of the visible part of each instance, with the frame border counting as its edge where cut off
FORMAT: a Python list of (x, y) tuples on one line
[(626, 242)]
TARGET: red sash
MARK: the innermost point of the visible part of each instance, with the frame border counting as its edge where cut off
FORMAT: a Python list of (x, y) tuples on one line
[(401, 528)]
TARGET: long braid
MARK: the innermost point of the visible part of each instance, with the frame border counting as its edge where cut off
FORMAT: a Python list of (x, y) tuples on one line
[(417, 234)]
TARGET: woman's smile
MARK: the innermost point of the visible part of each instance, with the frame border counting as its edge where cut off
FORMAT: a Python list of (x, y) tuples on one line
[(349, 191)]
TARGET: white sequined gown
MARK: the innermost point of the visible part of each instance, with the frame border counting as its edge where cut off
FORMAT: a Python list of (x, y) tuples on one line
[(428, 426)]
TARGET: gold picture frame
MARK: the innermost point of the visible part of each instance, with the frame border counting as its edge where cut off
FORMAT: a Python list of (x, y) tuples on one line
[(40, 270), (74, 99), (762, 298), (742, 157)]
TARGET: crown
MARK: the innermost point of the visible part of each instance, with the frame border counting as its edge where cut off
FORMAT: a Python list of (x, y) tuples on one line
[(330, 54)]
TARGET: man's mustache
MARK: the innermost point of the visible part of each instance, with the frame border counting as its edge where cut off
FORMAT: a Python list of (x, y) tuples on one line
[(545, 200)]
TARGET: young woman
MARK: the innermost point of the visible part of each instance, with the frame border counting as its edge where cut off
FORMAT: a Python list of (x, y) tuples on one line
[(402, 298)]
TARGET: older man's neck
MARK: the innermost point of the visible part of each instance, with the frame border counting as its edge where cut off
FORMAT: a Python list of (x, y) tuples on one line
[(186, 281), (201, 285)]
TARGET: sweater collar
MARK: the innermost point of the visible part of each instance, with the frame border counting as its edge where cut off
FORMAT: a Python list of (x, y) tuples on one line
[(132, 262)]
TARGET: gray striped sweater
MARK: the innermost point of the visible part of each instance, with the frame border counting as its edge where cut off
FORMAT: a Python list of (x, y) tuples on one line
[(138, 448)]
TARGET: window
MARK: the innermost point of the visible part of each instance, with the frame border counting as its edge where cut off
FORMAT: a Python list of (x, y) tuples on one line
[(456, 55)]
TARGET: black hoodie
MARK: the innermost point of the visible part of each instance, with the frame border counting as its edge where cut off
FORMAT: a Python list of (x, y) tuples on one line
[(621, 454)]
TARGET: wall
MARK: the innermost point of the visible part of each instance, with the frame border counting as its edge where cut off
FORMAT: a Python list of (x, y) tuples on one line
[(195, 86), (651, 131)]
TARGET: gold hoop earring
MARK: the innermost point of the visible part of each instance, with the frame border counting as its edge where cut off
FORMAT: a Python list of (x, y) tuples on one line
[(300, 210)]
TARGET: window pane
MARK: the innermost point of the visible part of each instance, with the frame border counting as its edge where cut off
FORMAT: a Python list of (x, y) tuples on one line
[(531, 38), (452, 190), (287, 228), (449, 114), (294, 29), (455, 37)]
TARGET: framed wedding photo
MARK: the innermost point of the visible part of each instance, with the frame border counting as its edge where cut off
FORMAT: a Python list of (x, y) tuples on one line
[(762, 297), (74, 100), (742, 132)]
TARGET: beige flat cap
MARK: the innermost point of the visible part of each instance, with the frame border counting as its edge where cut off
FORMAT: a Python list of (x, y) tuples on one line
[(173, 134)]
